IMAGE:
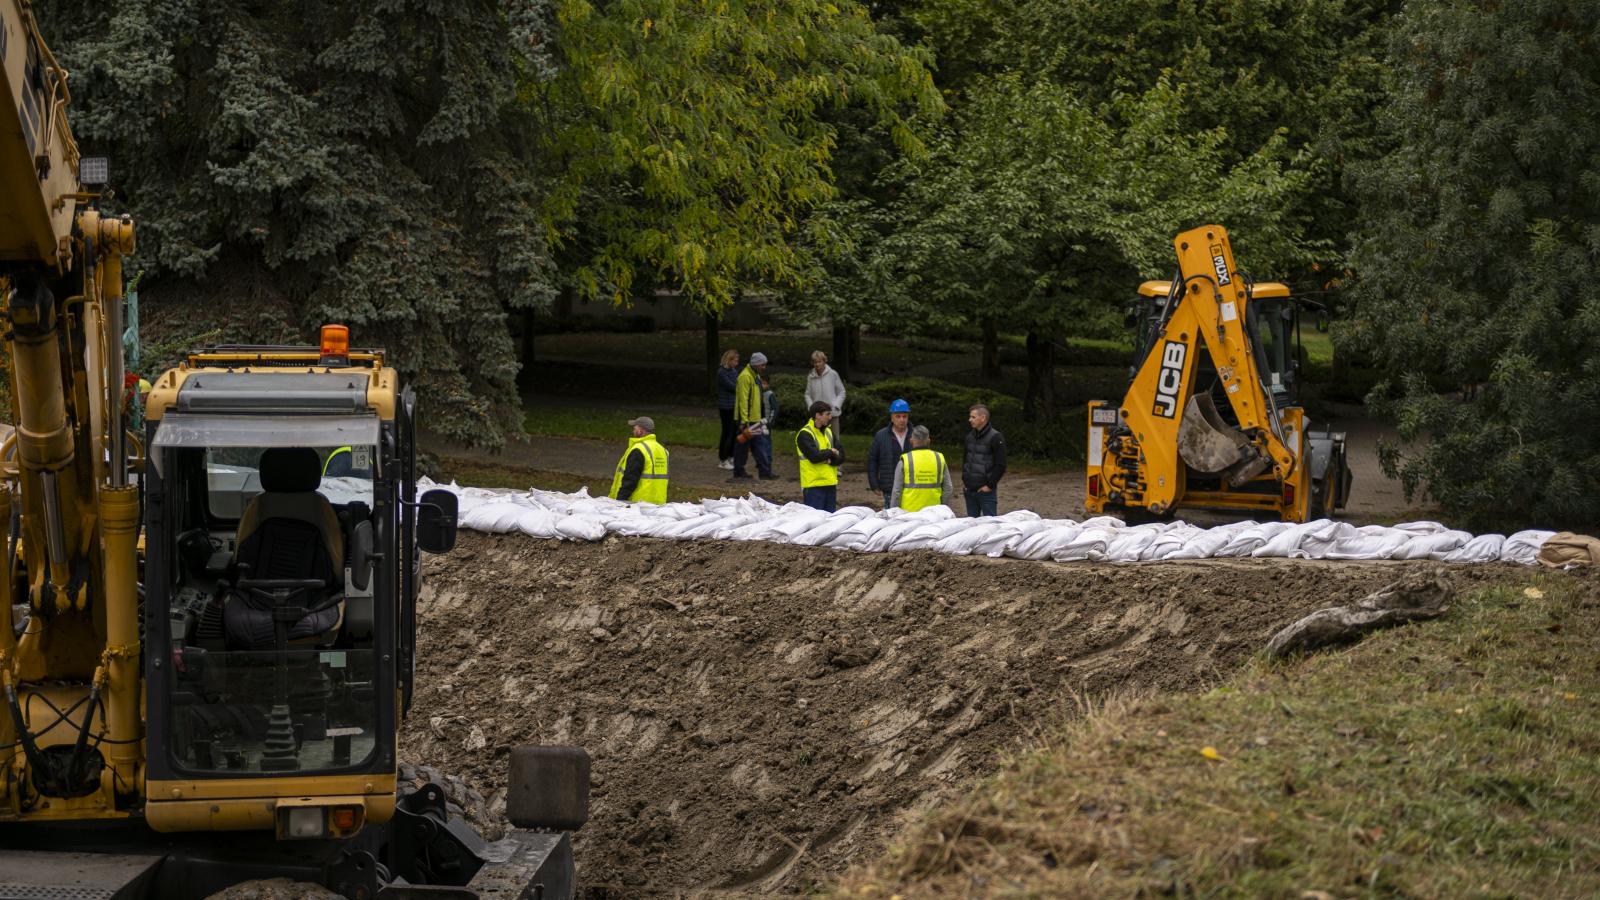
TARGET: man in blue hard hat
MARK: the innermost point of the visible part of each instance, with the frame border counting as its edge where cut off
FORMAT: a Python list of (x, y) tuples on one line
[(890, 443)]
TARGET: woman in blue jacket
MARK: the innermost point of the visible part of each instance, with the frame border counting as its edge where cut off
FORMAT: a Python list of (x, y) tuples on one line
[(727, 382)]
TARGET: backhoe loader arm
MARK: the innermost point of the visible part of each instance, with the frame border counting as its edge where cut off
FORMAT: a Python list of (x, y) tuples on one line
[(1204, 313)]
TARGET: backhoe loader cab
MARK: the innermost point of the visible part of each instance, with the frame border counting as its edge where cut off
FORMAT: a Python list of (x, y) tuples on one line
[(1212, 416)]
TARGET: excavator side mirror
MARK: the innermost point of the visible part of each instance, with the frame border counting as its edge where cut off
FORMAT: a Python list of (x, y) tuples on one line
[(436, 521)]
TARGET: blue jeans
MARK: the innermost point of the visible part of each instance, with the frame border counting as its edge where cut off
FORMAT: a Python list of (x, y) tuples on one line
[(981, 504), (888, 497), (761, 446), (823, 498)]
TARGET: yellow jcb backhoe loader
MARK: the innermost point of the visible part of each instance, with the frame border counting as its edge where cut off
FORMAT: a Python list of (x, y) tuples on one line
[(1212, 417), (226, 708)]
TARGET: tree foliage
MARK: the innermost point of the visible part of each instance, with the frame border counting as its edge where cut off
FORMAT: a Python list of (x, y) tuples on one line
[(367, 158), (692, 136), (1476, 258)]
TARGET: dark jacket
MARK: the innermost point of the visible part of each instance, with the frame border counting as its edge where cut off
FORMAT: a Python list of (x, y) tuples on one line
[(985, 460), (727, 387), (631, 472), (884, 455), (807, 445)]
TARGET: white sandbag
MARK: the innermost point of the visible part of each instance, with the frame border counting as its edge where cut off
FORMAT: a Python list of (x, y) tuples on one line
[(580, 528), (1481, 549), (1523, 547), (1042, 543)]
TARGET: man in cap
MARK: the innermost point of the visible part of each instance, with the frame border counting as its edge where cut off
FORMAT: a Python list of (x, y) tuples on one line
[(891, 441), (922, 478), (642, 471), (754, 436), (819, 460)]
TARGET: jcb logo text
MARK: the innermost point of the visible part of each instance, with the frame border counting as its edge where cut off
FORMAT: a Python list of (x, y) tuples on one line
[(1170, 381)]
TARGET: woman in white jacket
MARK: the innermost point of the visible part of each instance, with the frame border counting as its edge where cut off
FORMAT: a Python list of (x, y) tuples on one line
[(823, 383)]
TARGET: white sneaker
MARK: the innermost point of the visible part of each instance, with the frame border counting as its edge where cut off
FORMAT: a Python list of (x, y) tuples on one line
[(725, 464)]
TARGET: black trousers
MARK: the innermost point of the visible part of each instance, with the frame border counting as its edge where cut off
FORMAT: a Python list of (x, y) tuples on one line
[(725, 443)]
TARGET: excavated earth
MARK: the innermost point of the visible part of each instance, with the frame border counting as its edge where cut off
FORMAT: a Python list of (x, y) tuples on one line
[(760, 716)]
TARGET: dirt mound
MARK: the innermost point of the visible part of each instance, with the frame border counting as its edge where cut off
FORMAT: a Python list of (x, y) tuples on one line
[(761, 715)]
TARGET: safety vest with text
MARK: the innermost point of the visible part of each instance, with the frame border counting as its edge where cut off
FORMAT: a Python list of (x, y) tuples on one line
[(652, 487), (815, 474), (922, 474)]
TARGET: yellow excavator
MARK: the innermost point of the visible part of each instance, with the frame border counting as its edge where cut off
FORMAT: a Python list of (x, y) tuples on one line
[(1212, 417), (210, 625)]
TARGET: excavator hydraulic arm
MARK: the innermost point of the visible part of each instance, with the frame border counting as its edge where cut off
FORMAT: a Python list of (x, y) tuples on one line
[(38, 157)]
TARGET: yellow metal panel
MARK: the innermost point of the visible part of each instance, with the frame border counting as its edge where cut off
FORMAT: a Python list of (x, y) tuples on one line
[(253, 813)]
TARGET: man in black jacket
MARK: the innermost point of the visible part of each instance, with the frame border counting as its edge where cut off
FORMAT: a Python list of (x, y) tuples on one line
[(890, 443), (983, 465)]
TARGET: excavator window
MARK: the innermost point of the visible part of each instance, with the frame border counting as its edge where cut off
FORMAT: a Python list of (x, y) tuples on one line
[(272, 639), (1272, 334)]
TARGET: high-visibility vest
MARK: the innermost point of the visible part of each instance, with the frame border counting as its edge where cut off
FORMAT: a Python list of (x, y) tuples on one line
[(652, 487), (815, 474), (922, 474), (329, 461)]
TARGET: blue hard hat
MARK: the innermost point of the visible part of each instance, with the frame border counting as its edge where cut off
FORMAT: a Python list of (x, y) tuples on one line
[(899, 406)]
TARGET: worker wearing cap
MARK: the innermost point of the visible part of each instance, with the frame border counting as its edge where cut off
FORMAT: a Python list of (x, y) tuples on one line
[(888, 445), (642, 471), (819, 460), (755, 436), (922, 478)]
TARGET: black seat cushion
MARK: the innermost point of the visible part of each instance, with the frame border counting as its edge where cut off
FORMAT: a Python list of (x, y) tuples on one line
[(280, 549)]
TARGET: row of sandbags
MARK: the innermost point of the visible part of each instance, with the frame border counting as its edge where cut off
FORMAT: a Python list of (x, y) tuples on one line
[(1020, 534)]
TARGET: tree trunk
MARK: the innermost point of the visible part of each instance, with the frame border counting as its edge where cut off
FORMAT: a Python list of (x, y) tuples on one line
[(855, 345), (991, 350), (525, 372), (841, 355), (713, 351), (1039, 401)]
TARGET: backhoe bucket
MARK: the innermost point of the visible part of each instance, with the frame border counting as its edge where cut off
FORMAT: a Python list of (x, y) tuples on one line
[(1209, 445)]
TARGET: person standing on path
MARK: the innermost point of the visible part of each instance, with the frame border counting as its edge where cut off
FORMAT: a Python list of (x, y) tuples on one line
[(642, 471), (727, 389), (983, 464), (888, 445), (747, 413), (824, 385), (819, 460), (922, 479)]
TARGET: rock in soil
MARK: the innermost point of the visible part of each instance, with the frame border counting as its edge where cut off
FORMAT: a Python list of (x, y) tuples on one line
[(761, 716)]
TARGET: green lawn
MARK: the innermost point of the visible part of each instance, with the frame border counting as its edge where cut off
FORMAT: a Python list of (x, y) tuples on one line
[(1456, 758), (600, 423), (790, 351)]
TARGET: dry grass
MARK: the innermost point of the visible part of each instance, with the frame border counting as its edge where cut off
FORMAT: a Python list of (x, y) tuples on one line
[(1459, 758)]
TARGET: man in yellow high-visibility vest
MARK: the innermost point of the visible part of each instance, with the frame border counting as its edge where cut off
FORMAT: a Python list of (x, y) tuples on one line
[(922, 477), (642, 471), (819, 460)]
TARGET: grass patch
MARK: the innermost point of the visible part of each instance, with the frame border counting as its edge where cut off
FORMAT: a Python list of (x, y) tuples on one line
[(602, 423), (688, 347), (1460, 758)]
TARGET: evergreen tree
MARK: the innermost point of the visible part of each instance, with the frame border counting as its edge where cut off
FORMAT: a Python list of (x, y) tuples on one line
[(1476, 256), (367, 160)]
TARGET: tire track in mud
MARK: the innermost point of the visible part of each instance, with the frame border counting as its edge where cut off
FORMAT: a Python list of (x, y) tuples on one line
[(760, 716)]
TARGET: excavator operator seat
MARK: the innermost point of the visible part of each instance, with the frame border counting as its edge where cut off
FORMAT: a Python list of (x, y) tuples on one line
[(289, 531)]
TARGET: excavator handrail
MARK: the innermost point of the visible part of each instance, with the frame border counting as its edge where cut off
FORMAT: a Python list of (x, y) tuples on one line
[(60, 95)]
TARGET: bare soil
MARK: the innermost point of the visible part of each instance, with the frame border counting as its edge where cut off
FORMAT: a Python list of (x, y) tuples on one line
[(761, 716)]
